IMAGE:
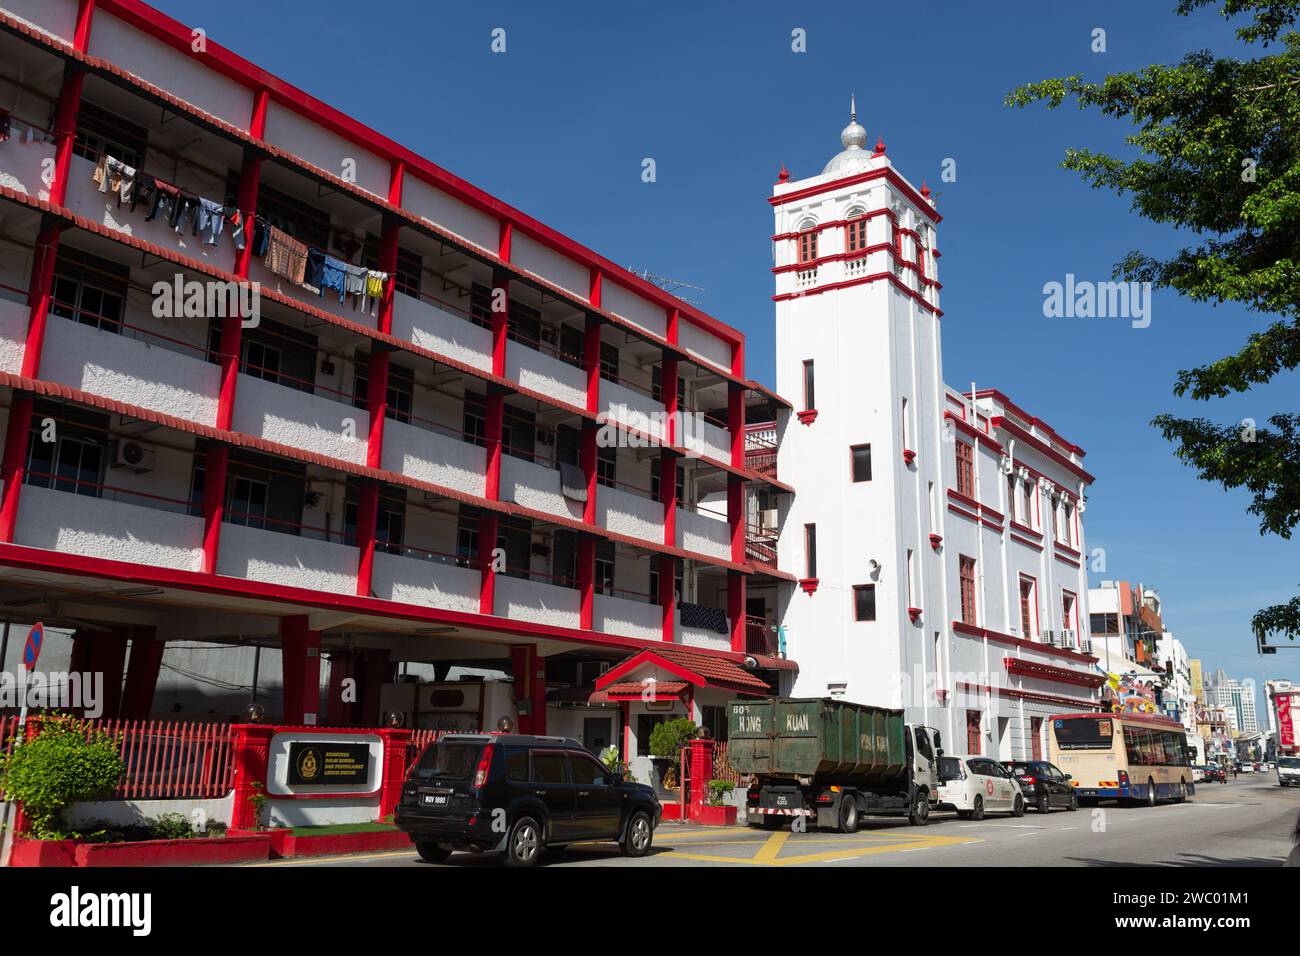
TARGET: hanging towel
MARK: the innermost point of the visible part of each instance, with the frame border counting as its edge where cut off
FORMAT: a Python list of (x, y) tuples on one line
[(285, 256), (332, 274), (704, 618), (314, 274), (573, 482), (185, 213), (211, 219), (166, 198), (374, 290)]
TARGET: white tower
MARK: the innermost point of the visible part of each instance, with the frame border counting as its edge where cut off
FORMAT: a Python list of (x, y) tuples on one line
[(858, 352)]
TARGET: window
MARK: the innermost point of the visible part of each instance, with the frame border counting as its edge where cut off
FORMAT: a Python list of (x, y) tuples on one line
[(809, 394), (1027, 491), (934, 518), (861, 455), (390, 519), (401, 389), (904, 433), (467, 541), (1067, 525), (605, 567), (1026, 607), (967, 574), (1011, 497), (480, 305), (810, 551), (607, 466), (856, 233), (517, 765), (89, 289), (100, 131), (299, 219), (273, 352), (609, 361), (549, 767), (911, 602), (974, 739), (808, 244), (965, 470), (864, 602), (1067, 610), (75, 461), (1036, 738), (474, 423), (657, 387), (587, 772)]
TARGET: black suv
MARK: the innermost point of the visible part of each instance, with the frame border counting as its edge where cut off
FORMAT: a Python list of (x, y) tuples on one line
[(1043, 785), (520, 794)]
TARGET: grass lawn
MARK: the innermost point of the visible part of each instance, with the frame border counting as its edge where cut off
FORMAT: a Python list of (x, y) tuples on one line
[(331, 829)]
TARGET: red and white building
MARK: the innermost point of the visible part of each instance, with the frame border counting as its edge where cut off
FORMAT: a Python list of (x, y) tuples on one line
[(354, 484), (938, 532)]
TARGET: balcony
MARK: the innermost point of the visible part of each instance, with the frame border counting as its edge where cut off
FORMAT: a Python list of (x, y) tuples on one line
[(707, 438), (629, 513), (301, 419), (760, 636), (704, 532), (542, 603), (702, 636), (440, 329), (536, 486), (426, 580), (761, 545), (289, 560), (546, 374), (13, 334), (23, 165), (329, 302), (101, 527), (761, 448), (633, 408), (628, 618), (130, 368), (435, 456)]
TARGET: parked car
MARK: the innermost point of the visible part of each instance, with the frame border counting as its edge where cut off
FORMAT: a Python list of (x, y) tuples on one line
[(1198, 773), (520, 795), (1044, 786), (1246, 767), (1215, 773), (974, 785)]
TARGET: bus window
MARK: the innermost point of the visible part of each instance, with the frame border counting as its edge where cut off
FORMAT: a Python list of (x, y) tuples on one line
[(1084, 733)]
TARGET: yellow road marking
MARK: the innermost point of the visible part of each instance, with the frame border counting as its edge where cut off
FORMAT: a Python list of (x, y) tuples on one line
[(768, 854), (307, 860)]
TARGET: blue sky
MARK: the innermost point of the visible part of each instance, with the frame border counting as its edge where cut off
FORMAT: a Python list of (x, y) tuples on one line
[(559, 124)]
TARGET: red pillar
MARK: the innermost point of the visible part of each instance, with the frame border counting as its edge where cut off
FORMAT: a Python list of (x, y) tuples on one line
[(668, 596), (367, 516), (487, 542), (396, 740), (736, 609), (13, 465), (499, 320), (142, 673), (217, 462), (529, 671), (376, 669), (108, 660), (699, 754), (300, 663), (586, 581), (252, 760), (736, 424), (736, 517), (539, 694), (493, 429)]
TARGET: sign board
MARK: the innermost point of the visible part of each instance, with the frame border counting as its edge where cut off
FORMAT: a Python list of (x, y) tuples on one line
[(329, 764), (32, 648)]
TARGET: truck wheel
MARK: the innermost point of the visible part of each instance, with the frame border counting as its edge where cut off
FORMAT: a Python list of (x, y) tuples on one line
[(1151, 792), (977, 812), (1182, 791), (848, 815), (919, 815), (1018, 808)]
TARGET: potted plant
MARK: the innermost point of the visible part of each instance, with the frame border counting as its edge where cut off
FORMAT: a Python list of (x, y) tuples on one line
[(717, 812), (666, 743)]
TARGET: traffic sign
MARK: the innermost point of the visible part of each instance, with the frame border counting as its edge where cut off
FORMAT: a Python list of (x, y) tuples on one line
[(32, 649)]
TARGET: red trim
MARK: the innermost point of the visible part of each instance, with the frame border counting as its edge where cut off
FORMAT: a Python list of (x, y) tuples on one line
[(1034, 422), (862, 280), (809, 585), (807, 417), (1007, 425), (909, 456), (935, 541), (887, 173), (997, 637), (1025, 695), (914, 613), (1059, 675)]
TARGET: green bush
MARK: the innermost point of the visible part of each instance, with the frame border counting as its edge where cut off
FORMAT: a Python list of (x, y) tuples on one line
[(719, 789), (67, 762), (668, 738), (170, 826)]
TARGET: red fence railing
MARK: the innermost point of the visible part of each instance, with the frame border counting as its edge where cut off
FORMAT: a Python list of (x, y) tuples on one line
[(759, 638)]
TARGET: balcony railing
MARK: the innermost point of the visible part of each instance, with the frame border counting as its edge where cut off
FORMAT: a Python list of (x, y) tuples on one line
[(760, 636), (760, 449)]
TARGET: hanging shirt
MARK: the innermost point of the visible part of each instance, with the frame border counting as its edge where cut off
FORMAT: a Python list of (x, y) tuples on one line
[(332, 273), (113, 175), (285, 256), (354, 280), (166, 197), (185, 213), (314, 274), (374, 290), (238, 223)]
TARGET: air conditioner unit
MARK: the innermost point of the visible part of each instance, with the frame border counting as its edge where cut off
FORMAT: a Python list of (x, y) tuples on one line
[(134, 455), (1067, 638)]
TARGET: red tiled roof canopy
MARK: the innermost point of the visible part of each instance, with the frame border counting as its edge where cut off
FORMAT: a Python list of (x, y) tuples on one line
[(1061, 675), (634, 688), (692, 665)]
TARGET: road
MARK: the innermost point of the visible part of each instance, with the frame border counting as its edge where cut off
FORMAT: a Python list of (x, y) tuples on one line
[(1246, 822)]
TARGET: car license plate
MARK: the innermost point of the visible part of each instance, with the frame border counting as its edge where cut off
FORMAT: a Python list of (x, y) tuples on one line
[(433, 799)]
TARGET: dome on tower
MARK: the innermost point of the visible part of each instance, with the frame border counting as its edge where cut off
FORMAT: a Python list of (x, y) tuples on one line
[(853, 157)]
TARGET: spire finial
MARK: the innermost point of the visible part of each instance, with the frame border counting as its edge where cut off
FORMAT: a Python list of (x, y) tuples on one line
[(853, 108)]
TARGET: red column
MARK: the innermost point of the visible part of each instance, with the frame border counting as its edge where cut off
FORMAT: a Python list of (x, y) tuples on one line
[(13, 465), (736, 518), (217, 461), (668, 596), (81, 31), (736, 424), (487, 542), (300, 663), (668, 394), (539, 694), (376, 670), (529, 671), (586, 581), (499, 304), (252, 760), (396, 741), (736, 609), (108, 659), (367, 516), (699, 753), (142, 673)]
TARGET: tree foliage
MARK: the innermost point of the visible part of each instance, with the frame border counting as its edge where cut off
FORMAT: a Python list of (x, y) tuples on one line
[(1216, 155), (67, 762)]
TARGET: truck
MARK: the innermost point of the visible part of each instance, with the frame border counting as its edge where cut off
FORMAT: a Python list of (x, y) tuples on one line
[(832, 762)]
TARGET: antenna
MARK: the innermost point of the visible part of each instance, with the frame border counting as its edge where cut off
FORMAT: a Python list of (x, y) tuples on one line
[(668, 285)]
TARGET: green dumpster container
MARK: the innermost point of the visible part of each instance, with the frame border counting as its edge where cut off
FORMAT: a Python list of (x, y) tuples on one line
[(815, 737)]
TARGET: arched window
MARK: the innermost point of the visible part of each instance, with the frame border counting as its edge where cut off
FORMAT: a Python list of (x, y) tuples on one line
[(807, 241), (856, 230)]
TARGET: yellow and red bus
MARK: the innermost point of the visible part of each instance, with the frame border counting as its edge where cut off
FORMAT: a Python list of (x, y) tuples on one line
[(1137, 757)]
